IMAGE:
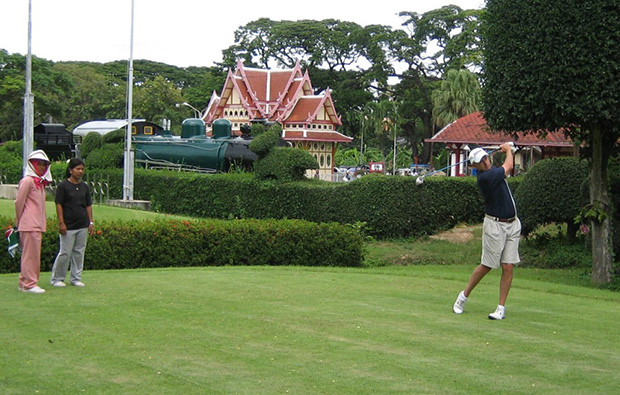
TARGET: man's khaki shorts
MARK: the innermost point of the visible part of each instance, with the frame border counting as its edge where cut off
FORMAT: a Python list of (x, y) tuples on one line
[(500, 242)]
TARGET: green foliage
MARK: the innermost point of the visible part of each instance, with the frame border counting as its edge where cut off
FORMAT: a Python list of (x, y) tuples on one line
[(551, 192), (133, 244), (347, 157), (115, 137), (552, 64), (103, 152), (613, 172), (92, 94), (11, 157), (12, 88), (545, 251), (156, 99), (285, 164), (74, 92), (264, 142), (90, 142), (109, 156), (458, 95), (280, 163), (257, 129), (388, 206)]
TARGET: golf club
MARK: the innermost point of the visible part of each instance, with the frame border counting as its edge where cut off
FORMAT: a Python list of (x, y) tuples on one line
[(420, 179)]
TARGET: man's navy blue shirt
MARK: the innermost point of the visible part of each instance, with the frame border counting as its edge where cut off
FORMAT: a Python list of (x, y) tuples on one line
[(498, 201)]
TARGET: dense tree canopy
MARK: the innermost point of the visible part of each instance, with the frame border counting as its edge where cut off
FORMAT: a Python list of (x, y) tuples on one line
[(75, 92), (361, 65), (457, 96), (554, 65)]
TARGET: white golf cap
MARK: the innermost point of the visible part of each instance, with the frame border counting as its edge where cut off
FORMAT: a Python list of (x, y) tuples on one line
[(476, 155)]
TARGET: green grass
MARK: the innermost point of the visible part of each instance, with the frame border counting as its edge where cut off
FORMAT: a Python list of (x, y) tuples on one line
[(252, 330), (100, 212), (306, 330)]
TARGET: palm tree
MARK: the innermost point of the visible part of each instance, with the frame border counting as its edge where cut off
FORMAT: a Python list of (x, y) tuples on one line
[(458, 96)]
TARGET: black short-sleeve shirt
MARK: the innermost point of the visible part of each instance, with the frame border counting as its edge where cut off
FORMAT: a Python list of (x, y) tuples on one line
[(74, 198)]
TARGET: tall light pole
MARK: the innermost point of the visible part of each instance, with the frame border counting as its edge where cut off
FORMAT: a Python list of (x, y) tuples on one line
[(128, 163), (27, 139)]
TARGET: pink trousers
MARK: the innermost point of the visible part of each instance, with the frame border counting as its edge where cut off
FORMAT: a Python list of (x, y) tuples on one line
[(31, 259)]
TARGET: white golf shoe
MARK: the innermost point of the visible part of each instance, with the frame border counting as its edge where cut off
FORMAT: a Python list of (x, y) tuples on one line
[(498, 314), (459, 305), (34, 290)]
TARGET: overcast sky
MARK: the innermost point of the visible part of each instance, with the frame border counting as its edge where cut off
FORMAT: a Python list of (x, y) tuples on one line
[(177, 32)]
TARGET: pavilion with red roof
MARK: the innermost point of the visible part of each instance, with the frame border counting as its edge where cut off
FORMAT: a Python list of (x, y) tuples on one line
[(472, 130), (309, 121)]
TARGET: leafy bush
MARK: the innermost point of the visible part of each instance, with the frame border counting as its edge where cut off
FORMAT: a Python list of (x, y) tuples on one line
[(11, 156), (262, 144), (90, 142), (554, 252), (285, 164), (115, 137), (108, 156), (613, 172), (551, 192), (257, 129), (124, 245)]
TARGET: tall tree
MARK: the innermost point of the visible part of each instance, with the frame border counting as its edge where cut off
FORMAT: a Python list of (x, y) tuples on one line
[(553, 65), (157, 99), (48, 85), (92, 95), (453, 32), (458, 95)]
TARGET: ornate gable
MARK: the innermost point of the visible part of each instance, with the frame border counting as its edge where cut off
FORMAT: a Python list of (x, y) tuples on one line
[(283, 96)]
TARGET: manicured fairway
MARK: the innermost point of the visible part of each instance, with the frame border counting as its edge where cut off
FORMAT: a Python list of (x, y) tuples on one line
[(253, 330), (101, 212)]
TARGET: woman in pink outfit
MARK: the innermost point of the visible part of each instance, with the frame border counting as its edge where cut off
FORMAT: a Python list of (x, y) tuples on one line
[(31, 219)]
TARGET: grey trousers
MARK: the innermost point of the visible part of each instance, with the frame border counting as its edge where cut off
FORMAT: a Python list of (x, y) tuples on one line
[(72, 248)]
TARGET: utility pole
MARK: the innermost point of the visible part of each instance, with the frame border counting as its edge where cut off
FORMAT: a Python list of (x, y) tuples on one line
[(28, 132)]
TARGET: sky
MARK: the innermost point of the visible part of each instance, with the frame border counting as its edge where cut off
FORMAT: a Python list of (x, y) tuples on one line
[(180, 32)]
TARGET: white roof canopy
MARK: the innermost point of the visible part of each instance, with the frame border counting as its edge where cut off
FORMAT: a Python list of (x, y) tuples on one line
[(102, 126)]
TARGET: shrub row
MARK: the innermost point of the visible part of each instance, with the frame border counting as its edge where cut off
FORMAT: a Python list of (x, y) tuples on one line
[(167, 243), (390, 207)]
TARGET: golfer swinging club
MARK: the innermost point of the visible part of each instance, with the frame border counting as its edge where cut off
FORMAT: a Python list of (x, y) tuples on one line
[(501, 228)]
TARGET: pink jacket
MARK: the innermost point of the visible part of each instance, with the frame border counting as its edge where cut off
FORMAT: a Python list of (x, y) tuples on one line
[(30, 206)]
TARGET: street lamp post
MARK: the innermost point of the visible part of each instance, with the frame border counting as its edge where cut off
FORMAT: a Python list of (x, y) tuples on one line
[(128, 163), (197, 112)]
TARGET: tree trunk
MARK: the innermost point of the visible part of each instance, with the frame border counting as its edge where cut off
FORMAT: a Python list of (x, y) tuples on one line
[(427, 154), (599, 198)]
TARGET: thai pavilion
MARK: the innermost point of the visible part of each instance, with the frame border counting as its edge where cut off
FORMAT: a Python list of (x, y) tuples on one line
[(309, 121)]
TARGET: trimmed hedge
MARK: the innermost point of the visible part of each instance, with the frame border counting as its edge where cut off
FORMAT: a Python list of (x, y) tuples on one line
[(390, 207), (168, 243)]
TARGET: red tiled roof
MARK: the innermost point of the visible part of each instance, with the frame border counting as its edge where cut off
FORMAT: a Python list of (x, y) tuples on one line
[(306, 106), (473, 129)]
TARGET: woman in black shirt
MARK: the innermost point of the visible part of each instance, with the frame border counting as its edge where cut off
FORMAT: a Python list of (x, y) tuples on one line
[(75, 222)]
